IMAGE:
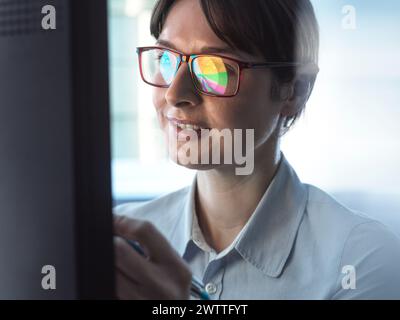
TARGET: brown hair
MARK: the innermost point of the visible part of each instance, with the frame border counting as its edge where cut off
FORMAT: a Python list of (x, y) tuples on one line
[(278, 30)]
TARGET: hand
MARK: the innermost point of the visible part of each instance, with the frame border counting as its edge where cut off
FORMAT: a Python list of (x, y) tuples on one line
[(162, 275)]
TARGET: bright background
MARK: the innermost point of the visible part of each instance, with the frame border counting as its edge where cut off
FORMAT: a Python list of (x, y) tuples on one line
[(347, 143)]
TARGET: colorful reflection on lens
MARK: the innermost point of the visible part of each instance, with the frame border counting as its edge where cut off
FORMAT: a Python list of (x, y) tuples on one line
[(212, 74), (168, 66)]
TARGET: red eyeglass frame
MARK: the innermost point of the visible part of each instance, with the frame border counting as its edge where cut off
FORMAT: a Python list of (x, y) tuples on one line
[(188, 58)]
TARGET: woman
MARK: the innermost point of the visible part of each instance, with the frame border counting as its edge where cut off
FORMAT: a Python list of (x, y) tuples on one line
[(241, 65)]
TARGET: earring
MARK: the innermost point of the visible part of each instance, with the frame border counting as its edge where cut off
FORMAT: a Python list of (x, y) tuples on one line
[(288, 122)]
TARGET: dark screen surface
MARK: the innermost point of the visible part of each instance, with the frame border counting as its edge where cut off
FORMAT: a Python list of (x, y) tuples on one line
[(55, 189)]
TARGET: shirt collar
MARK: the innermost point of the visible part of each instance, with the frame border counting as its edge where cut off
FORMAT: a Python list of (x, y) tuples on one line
[(270, 236), (270, 233)]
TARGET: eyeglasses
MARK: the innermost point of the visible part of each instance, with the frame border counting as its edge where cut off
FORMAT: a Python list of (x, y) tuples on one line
[(212, 75)]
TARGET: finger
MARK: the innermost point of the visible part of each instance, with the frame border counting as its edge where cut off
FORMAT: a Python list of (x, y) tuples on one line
[(126, 289), (147, 235), (130, 262)]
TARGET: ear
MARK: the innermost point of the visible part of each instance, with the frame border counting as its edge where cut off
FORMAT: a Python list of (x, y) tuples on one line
[(294, 96)]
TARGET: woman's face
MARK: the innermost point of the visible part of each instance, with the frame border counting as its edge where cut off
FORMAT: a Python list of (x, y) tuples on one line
[(186, 30)]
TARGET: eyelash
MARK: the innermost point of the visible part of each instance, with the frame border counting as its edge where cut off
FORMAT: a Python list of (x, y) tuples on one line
[(159, 56)]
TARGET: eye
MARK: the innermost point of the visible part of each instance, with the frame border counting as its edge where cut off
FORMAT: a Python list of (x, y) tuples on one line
[(230, 69), (159, 55)]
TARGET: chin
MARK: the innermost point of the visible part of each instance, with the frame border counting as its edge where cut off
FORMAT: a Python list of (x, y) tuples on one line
[(183, 161), (198, 166)]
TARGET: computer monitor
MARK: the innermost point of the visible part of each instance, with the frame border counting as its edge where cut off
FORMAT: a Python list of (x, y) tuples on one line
[(55, 185)]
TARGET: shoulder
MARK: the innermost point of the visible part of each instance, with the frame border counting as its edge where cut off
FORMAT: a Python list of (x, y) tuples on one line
[(336, 229), (336, 221), (330, 215), (366, 245), (371, 254)]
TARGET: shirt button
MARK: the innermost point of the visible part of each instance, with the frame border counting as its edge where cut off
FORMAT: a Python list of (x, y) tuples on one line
[(211, 288)]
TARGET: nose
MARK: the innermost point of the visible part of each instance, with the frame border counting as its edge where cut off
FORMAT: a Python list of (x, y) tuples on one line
[(182, 92)]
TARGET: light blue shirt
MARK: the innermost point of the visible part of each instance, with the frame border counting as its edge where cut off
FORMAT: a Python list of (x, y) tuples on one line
[(299, 243)]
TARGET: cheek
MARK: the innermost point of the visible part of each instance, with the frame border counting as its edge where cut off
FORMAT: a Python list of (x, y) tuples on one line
[(264, 119), (253, 107), (158, 97)]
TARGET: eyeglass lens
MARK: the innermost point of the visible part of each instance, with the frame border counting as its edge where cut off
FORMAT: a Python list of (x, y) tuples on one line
[(211, 74)]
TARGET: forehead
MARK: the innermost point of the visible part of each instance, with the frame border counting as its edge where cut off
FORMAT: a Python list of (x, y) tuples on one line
[(187, 28)]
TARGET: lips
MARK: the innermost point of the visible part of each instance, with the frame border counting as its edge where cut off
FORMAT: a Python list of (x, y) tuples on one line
[(185, 124)]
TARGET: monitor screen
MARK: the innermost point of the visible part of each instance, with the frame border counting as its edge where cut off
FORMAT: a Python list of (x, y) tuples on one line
[(55, 175)]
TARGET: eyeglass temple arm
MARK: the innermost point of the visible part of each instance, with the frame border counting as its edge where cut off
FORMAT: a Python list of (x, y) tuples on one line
[(306, 68), (270, 64)]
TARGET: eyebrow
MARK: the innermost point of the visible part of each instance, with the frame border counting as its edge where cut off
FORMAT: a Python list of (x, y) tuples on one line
[(206, 49)]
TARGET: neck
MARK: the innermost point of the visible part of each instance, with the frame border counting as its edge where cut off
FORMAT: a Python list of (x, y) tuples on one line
[(225, 201)]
